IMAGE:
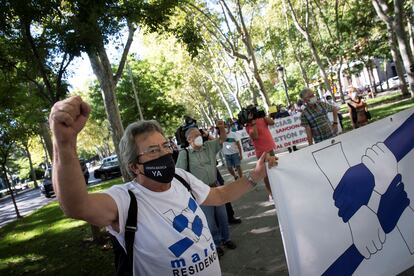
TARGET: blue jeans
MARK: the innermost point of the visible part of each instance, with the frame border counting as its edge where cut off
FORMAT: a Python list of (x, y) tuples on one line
[(217, 222)]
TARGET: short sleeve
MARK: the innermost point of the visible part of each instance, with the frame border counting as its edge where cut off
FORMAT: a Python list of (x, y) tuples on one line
[(121, 197), (198, 188), (214, 145), (303, 121), (182, 161), (327, 107)]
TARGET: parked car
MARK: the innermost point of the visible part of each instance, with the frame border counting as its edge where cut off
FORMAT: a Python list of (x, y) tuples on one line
[(46, 186), (109, 168)]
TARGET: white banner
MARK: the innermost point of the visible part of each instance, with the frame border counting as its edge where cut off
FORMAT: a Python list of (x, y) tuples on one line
[(286, 132), (344, 205)]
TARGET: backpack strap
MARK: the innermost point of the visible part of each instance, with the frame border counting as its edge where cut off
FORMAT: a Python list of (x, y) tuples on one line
[(130, 229), (188, 163), (185, 183)]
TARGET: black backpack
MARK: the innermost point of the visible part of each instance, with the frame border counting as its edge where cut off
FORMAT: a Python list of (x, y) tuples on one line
[(124, 260)]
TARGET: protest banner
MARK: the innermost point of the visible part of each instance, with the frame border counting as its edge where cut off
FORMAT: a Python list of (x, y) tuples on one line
[(345, 205), (286, 132)]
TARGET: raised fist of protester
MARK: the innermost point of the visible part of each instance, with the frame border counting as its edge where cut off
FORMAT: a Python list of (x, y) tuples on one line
[(367, 234), (392, 204), (220, 124), (67, 118), (353, 191), (382, 164)]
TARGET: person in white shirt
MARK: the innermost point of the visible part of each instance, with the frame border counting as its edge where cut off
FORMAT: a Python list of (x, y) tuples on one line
[(172, 236), (232, 151)]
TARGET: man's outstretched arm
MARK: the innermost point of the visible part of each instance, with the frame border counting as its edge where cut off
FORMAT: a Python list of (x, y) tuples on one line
[(67, 119)]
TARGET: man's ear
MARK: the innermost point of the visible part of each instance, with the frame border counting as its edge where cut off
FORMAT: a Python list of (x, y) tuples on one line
[(134, 168)]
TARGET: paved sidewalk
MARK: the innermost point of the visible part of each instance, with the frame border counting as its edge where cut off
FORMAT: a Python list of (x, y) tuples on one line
[(259, 244)]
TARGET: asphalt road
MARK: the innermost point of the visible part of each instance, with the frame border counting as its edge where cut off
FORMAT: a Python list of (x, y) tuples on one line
[(28, 202)]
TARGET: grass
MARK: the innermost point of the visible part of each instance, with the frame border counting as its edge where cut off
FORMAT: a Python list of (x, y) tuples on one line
[(380, 107), (48, 243)]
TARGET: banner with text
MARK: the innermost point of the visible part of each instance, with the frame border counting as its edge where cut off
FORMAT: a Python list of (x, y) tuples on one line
[(286, 132), (346, 205)]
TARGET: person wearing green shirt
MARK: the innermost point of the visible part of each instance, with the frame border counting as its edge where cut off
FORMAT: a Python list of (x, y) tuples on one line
[(200, 160)]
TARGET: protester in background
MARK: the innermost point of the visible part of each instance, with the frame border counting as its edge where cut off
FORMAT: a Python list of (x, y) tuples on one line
[(200, 160), (237, 124), (358, 110), (330, 101), (282, 113), (147, 156), (258, 130), (315, 120), (232, 151), (174, 147), (229, 208)]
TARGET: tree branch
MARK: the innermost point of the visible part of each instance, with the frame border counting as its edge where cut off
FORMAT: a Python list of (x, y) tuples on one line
[(131, 31)]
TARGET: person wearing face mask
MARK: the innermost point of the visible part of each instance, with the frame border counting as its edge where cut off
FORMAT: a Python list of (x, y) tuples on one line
[(171, 228), (232, 151), (330, 101), (315, 120), (200, 160), (357, 109)]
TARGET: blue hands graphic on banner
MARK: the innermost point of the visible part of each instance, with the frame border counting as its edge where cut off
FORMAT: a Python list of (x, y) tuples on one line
[(392, 204), (350, 195), (182, 223), (355, 189)]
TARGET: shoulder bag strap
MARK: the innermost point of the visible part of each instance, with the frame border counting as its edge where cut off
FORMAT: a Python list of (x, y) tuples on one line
[(188, 160), (130, 229), (185, 183)]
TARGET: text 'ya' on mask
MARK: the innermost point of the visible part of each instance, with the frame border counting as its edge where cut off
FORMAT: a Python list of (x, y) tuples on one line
[(161, 169)]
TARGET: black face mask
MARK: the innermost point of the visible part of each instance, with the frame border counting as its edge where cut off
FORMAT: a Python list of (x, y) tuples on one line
[(161, 169)]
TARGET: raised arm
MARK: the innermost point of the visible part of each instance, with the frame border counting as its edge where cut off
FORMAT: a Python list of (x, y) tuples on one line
[(67, 119), (233, 191)]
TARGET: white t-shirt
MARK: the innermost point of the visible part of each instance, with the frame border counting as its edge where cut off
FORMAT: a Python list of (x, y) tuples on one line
[(230, 144), (173, 237)]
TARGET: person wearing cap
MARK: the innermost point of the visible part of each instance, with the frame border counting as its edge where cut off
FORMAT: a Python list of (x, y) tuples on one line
[(200, 160)]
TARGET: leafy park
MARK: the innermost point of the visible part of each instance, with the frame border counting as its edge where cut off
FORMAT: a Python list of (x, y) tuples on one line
[(165, 59)]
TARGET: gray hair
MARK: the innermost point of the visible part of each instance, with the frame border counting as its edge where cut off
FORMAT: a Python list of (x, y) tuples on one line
[(127, 146), (304, 91)]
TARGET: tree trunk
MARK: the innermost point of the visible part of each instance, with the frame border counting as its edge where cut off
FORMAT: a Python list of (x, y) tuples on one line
[(338, 74), (403, 45), (305, 78), (398, 65), (103, 71), (47, 139), (32, 171), (382, 9), (305, 32), (252, 87), (11, 191), (141, 116)]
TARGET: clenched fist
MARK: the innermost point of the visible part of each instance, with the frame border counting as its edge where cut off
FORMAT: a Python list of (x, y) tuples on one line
[(67, 118)]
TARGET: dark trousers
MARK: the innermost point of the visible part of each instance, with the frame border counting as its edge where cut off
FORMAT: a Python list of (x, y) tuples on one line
[(229, 208)]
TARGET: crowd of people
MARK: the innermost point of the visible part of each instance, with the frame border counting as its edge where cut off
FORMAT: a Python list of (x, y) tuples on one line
[(183, 203)]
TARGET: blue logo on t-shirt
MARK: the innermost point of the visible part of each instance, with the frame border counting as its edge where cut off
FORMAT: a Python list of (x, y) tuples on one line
[(188, 223)]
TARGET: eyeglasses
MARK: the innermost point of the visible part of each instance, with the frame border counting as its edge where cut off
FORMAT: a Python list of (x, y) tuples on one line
[(156, 150)]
